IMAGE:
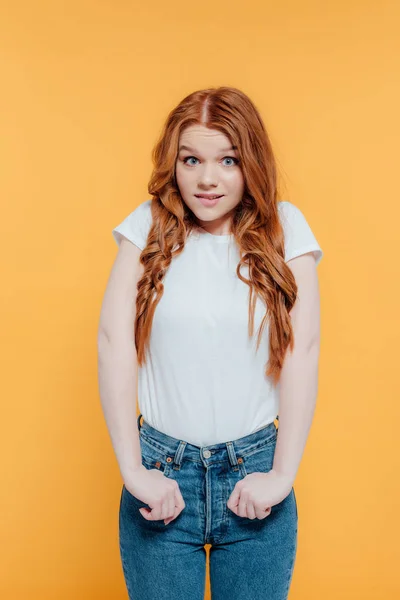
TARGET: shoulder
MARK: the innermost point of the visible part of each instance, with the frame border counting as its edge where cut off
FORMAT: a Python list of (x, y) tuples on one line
[(136, 225), (142, 211), (288, 213), (299, 237)]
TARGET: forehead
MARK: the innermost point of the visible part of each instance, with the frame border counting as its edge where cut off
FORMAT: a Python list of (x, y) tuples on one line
[(198, 137)]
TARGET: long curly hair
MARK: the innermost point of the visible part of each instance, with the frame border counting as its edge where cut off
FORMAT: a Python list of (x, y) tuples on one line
[(256, 226)]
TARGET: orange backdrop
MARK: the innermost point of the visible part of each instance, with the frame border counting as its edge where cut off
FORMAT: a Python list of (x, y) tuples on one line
[(86, 86)]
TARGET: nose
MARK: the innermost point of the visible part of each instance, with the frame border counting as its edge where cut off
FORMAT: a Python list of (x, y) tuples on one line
[(208, 176)]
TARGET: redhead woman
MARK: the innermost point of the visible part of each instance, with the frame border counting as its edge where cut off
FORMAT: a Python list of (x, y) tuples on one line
[(211, 313)]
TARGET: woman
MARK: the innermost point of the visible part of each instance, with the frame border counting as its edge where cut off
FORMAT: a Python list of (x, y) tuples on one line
[(211, 257)]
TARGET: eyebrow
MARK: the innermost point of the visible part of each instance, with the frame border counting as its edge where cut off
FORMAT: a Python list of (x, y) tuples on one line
[(192, 150)]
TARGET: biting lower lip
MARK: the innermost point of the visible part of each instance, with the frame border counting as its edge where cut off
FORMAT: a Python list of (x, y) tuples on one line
[(210, 202)]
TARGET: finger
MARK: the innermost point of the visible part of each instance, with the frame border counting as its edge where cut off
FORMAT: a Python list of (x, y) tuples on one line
[(234, 497), (165, 509), (262, 513), (156, 512), (179, 505), (171, 505), (251, 513), (242, 506), (172, 517), (146, 513), (167, 506), (178, 500)]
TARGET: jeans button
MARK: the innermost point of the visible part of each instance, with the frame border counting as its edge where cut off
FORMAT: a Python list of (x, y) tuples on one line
[(206, 454)]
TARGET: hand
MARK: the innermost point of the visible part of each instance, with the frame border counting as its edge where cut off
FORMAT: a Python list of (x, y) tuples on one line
[(254, 495), (160, 493)]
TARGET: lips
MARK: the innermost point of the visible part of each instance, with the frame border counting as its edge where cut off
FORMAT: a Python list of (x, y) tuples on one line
[(208, 200), (209, 197)]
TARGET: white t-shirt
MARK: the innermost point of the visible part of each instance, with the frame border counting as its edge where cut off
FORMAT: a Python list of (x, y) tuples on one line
[(203, 382)]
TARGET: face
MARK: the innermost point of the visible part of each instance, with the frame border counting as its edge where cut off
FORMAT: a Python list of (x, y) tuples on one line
[(208, 165)]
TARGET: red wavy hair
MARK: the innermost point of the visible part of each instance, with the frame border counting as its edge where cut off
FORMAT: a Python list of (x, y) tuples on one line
[(255, 225)]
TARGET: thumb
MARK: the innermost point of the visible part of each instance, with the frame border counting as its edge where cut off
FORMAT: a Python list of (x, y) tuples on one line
[(145, 512)]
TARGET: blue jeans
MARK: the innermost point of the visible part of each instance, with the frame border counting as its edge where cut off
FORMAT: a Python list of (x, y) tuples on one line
[(250, 559)]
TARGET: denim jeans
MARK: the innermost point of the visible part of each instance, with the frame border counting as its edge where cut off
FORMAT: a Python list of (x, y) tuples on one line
[(250, 559)]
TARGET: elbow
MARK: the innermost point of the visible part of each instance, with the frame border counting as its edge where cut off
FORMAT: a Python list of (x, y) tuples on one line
[(306, 346), (102, 337), (311, 357), (122, 341), (313, 345)]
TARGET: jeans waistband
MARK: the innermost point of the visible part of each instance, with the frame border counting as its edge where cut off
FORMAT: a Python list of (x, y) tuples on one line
[(213, 453)]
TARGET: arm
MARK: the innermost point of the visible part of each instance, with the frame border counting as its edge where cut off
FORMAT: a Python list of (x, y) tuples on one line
[(117, 359), (299, 377)]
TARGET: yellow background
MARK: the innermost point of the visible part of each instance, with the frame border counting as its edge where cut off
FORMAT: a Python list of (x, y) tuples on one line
[(85, 88)]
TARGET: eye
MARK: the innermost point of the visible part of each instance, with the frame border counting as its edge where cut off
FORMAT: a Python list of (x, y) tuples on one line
[(187, 158), (236, 160)]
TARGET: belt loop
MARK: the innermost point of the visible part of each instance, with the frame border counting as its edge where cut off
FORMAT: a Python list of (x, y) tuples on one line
[(179, 453), (138, 421), (231, 454)]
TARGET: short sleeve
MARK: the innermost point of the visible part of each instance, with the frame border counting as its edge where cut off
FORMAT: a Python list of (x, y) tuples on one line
[(136, 226), (299, 237)]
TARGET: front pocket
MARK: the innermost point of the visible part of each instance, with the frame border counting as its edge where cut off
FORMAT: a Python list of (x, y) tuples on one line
[(154, 457), (151, 463), (259, 461), (133, 498)]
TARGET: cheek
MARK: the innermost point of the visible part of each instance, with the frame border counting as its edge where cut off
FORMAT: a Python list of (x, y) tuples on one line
[(185, 188), (233, 181), (183, 176)]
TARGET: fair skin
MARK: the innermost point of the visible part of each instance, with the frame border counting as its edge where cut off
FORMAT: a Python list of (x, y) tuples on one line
[(209, 166)]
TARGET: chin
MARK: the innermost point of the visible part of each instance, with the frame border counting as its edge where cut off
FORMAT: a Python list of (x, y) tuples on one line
[(209, 214)]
